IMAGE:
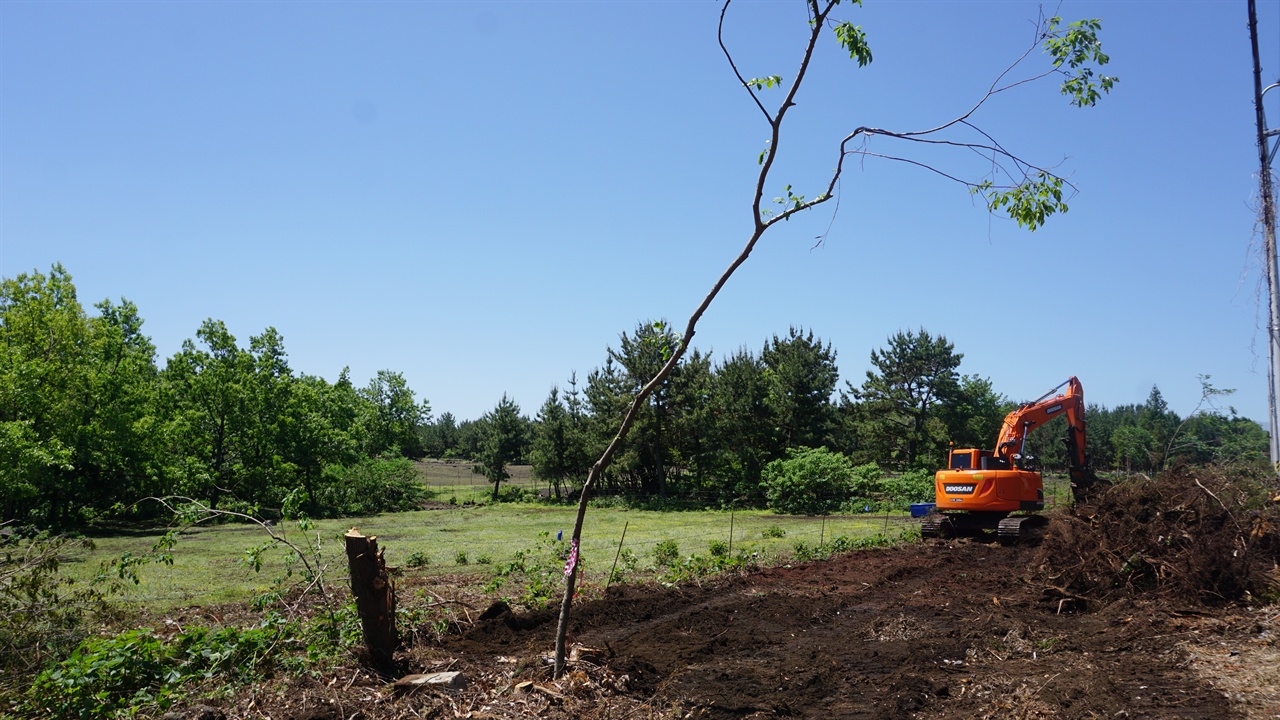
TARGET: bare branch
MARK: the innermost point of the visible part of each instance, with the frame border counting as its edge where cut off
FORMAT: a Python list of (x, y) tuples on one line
[(209, 513)]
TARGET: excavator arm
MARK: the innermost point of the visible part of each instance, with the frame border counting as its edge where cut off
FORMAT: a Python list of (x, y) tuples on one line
[(1018, 424)]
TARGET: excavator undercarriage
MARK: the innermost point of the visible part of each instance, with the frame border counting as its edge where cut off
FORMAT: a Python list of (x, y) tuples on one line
[(1009, 529)]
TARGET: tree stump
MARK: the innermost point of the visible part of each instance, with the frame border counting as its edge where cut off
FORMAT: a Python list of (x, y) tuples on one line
[(375, 593)]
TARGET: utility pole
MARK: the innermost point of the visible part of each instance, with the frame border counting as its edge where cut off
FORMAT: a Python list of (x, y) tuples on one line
[(1265, 157)]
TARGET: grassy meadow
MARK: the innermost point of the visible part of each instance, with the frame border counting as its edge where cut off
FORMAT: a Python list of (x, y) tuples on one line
[(463, 538), (459, 541)]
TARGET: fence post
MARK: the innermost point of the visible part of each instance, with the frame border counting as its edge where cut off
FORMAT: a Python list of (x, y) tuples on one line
[(617, 555), (375, 593)]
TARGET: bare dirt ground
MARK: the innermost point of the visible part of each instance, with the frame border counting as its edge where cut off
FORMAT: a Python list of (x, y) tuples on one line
[(949, 630), (939, 631)]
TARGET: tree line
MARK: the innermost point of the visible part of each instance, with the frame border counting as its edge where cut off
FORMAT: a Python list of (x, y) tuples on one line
[(715, 428), (90, 422)]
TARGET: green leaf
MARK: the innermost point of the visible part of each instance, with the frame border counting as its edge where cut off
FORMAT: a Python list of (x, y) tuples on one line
[(1077, 47), (771, 81), (853, 39), (1030, 203)]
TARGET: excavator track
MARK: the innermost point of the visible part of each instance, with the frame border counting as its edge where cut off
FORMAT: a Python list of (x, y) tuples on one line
[(937, 526), (1021, 530)]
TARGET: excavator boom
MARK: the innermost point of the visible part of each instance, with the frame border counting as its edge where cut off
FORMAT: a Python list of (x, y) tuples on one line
[(1018, 424)]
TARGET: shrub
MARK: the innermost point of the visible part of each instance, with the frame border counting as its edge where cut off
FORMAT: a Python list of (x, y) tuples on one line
[(912, 486), (866, 480), (42, 614), (368, 488), (418, 559), (809, 481), (666, 553), (116, 676)]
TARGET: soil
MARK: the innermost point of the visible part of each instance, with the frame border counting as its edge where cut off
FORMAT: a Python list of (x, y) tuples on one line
[(945, 630), (929, 631)]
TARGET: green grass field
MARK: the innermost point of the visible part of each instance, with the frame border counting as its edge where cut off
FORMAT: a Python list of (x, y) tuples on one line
[(208, 563), (209, 566)]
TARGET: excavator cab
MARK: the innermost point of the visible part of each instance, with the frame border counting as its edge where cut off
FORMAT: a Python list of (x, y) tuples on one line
[(974, 459)]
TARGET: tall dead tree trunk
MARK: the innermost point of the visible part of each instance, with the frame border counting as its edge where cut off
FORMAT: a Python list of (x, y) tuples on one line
[(375, 593)]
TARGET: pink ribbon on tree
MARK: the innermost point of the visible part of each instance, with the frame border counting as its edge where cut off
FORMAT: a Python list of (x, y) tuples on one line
[(573, 559)]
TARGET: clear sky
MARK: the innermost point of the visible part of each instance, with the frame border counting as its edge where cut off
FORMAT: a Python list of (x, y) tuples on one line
[(483, 195)]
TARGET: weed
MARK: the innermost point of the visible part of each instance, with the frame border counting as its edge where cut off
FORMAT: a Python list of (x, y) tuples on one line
[(460, 558), (803, 552), (542, 568), (418, 559), (666, 553), (1046, 645), (774, 531), (718, 548), (628, 562), (118, 676), (484, 560), (697, 566)]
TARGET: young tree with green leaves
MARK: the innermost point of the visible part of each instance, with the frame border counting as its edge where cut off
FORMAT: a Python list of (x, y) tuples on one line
[(1028, 193)]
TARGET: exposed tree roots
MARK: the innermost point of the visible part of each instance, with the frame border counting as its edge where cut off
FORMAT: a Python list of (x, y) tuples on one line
[(1201, 535)]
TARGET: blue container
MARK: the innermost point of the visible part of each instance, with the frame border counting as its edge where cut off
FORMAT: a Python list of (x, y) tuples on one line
[(921, 509)]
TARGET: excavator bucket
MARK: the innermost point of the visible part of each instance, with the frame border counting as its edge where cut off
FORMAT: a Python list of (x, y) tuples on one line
[(1086, 484)]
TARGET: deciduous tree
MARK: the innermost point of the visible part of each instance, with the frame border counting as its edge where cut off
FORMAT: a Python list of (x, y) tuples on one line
[(1027, 192), (396, 416)]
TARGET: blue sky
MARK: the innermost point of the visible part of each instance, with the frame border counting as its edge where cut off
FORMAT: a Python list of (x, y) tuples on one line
[(483, 195)]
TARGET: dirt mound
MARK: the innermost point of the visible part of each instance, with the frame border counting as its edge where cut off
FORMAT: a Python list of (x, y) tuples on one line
[(1188, 533)]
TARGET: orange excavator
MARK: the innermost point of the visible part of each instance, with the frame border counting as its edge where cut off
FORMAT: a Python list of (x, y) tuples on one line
[(981, 489)]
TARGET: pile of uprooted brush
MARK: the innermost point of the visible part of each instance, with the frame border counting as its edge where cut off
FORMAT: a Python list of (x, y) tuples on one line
[(1210, 535)]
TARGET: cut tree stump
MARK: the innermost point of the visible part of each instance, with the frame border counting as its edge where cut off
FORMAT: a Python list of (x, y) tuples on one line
[(375, 593)]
